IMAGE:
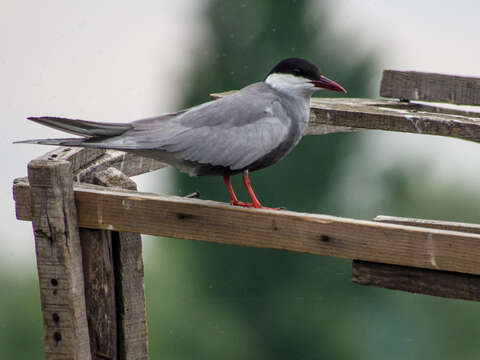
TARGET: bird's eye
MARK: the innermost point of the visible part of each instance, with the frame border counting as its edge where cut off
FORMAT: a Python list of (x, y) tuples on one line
[(296, 71)]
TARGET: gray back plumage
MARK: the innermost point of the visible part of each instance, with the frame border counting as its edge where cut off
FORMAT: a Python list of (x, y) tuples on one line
[(219, 133)]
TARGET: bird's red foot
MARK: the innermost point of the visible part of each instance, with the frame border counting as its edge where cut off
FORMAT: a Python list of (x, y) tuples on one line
[(233, 198), (251, 205)]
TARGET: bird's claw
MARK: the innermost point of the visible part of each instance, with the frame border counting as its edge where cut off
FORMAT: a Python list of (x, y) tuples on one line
[(251, 205)]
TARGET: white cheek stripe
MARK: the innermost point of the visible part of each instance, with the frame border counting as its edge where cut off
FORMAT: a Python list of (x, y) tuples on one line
[(289, 83)]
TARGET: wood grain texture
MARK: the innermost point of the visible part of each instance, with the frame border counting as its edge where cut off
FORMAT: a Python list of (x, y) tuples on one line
[(22, 197), (114, 178), (430, 282), (86, 162), (129, 278), (433, 224), (414, 85), (344, 114), (112, 261), (126, 163), (98, 268), (77, 157), (310, 233), (131, 312), (99, 271), (446, 284), (59, 259)]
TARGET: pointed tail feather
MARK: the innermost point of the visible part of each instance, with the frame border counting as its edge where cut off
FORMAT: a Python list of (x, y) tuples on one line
[(82, 142), (82, 127)]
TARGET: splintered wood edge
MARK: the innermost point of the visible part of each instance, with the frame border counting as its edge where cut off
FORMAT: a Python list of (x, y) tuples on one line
[(415, 85), (127, 163), (446, 284), (78, 157), (102, 208)]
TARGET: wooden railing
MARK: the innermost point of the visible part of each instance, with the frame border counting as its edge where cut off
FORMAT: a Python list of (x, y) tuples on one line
[(87, 217)]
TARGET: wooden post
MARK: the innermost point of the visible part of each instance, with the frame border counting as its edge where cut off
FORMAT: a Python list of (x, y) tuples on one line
[(59, 260), (129, 286), (113, 269), (98, 269)]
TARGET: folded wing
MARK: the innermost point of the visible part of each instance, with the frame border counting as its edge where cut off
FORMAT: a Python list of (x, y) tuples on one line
[(218, 133)]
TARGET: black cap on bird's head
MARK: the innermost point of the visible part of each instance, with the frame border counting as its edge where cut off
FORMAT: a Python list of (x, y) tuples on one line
[(304, 69)]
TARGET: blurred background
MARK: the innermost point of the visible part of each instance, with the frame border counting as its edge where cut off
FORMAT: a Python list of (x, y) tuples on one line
[(115, 61)]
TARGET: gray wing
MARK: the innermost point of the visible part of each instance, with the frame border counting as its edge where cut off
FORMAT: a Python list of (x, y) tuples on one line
[(233, 132)]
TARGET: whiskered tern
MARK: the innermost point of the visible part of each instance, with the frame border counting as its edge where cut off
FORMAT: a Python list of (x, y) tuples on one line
[(242, 132)]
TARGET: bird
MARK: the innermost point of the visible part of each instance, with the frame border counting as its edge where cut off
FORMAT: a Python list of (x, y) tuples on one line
[(242, 132)]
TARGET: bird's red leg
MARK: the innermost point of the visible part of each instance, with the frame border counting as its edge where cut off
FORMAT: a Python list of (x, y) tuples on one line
[(255, 203), (233, 197)]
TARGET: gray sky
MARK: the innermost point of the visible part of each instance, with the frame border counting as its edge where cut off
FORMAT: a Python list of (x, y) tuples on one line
[(111, 61)]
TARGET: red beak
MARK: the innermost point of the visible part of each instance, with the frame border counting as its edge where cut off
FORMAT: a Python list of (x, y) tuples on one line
[(326, 83)]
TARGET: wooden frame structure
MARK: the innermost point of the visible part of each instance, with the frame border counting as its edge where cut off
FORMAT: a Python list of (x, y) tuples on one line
[(82, 202)]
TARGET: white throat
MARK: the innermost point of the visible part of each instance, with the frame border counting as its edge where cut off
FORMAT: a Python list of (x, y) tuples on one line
[(293, 85)]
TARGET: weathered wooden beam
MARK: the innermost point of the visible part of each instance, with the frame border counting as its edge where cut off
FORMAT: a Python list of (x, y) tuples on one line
[(131, 312), (452, 285), (423, 281), (113, 268), (127, 163), (392, 116), (86, 161), (344, 114), (310, 233), (77, 157), (98, 268), (129, 278), (414, 85), (59, 259)]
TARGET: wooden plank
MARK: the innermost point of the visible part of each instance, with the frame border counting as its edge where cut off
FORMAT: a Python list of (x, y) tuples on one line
[(127, 163), (129, 278), (430, 282), (78, 157), (117, 329), (434, 224), (310, 233), (329, 114), (414, 85), (131, 312), (22, 194), (59, 259), (98, 268), (446, 284)]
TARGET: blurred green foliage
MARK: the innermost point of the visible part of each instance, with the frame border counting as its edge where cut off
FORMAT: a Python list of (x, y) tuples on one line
[(21, 335)]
